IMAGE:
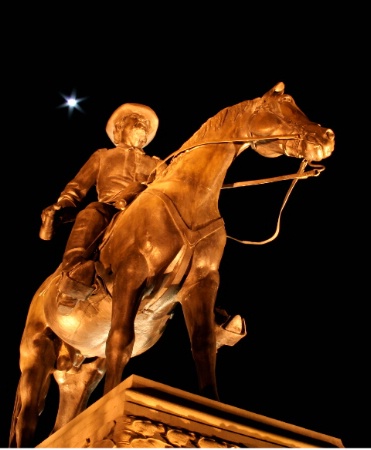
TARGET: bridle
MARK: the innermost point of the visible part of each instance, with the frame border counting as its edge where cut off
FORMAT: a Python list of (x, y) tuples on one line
[(301, 174)]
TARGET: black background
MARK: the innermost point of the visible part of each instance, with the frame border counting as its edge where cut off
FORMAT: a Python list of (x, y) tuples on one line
[(304, 359)]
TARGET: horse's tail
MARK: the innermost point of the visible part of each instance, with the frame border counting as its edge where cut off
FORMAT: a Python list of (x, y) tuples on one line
[(13, 424)]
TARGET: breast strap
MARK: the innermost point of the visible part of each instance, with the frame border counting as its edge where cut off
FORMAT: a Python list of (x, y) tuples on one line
[(190, 237)]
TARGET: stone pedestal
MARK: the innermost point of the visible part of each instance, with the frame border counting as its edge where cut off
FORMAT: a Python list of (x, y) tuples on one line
[(142, 413)]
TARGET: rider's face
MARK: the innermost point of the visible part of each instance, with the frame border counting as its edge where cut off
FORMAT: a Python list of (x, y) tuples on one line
[(132, 130)]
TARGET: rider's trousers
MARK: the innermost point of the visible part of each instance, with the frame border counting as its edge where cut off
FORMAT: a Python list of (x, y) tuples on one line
[(84, 236)]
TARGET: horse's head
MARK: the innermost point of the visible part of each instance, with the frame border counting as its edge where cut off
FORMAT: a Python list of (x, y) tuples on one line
[(278, 115)]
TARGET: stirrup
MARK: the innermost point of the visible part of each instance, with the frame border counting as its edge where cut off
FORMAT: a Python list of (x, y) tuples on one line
[(65, 303), (73, 288)]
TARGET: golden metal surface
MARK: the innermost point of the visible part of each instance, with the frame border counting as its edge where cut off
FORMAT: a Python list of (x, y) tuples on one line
[(163, 248)]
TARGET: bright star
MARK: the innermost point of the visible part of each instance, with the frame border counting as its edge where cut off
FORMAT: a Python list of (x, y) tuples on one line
[(72, 102)]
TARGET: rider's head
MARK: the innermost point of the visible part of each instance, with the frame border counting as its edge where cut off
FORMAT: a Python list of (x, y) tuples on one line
[(132, 121)]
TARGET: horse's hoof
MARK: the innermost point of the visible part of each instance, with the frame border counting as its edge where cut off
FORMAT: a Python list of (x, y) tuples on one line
[(65, 303)]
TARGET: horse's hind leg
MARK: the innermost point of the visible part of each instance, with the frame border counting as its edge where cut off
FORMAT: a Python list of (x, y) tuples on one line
[(37, 358), (75, 388)]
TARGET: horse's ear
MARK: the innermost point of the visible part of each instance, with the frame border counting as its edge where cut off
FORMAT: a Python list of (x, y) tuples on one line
[(279, 88)]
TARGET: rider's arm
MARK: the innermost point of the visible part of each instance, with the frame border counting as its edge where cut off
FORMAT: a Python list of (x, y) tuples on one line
[(73, 193), (76, 190)]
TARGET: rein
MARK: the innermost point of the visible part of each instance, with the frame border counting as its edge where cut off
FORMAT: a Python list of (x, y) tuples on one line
[(300, 175)]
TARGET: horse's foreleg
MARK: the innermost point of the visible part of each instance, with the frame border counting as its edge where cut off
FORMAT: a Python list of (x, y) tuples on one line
[(75, 388), (37, 358), (129, 279), (198, 300)]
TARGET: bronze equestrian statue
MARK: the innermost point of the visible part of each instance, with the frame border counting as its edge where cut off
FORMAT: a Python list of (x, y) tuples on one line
[(163, 249)]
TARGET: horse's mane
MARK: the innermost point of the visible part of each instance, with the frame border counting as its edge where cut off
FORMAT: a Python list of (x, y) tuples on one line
[(228, 124), (221, 126)]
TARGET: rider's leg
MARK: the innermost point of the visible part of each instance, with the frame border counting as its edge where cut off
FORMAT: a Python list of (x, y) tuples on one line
[(78, 270), (88, 224)]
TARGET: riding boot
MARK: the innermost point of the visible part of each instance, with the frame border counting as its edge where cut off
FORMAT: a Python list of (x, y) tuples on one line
[(75, 285), (78, 272)]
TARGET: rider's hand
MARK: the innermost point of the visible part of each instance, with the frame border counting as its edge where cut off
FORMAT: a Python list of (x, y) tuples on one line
[(53, 216), (49, 212), (120, 204), (63, 211), (128, 194), (47, 222)]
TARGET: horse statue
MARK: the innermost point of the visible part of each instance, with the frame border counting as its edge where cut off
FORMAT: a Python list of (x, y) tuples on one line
[(164, 249)]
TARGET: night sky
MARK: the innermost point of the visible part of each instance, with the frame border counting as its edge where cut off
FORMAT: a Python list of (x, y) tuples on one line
[(304, 358)]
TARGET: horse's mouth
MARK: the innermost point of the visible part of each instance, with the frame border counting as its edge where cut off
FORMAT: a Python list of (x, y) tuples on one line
[(310, 148), (318, 152), (321, 148)]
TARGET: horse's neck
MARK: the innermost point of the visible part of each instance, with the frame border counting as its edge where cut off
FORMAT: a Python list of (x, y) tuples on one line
[(194, 179)]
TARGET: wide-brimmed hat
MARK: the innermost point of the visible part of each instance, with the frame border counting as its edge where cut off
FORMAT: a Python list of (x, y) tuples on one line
[(130, 108)]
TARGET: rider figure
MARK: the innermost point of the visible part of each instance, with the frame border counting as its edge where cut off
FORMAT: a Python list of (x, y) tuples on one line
[(119, 175)]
